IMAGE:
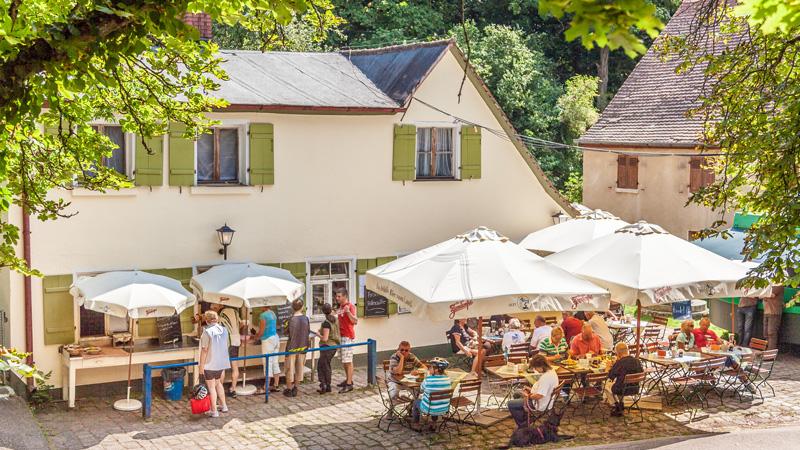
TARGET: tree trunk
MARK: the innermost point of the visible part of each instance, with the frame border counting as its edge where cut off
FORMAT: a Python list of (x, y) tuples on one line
[(602, 73)]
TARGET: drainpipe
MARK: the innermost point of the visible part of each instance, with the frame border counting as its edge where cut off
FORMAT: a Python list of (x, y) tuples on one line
[(26, 254)]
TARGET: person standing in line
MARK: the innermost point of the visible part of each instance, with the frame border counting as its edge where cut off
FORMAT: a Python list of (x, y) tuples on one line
[(297, 344), (347, 322), (773, 309), (329, 336), (214, 360), (229, 318), (745, 313), (270, 343)]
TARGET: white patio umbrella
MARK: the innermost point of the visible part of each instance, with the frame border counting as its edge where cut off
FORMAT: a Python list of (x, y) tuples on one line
[(584, 228), (136, 295), (642, 264), (481, 273), (249, 285)]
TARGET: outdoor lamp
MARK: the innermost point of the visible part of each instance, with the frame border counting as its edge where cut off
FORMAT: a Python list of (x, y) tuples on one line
[(225, 236), (559, 217)]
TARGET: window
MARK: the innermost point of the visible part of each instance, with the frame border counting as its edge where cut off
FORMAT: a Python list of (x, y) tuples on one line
[(326, 277), (435, 150), (700, 175), (627, 172), (118, 158), (218, 157)]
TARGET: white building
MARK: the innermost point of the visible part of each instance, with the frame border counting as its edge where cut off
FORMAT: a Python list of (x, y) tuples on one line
[(325, 163)]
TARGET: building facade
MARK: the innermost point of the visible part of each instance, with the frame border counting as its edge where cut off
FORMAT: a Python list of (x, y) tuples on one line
[(324, 164), (645, 155)]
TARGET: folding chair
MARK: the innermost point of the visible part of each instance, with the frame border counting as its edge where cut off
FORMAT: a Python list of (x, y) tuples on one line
[(535, 416), (550, 320), (465, 402), (590, 392), (520, 348), (504, 385), (397, 409), (651, 334), (438, 396), (737, 379), (630, 380), (758, 344), (662, 322), (766, 362)]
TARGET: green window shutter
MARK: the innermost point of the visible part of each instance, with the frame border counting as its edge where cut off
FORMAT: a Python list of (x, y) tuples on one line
[(184, 275), (298, 269), (470, 153), (58, 309), (181, 156), (147, 328), (149, 167), (362, 266), (404, 152), (262, 154), (379, 262)]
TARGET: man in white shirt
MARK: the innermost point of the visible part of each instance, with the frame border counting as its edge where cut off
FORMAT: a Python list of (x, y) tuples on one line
[(541, 330), (600, 328)]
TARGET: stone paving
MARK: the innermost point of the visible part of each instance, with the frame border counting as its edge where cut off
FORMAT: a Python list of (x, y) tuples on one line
[(348, 421)]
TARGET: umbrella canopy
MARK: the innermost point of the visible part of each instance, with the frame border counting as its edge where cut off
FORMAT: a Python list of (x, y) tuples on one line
[(250, 285), (481, 273), (133, 293), (583, 228), (644, 262)]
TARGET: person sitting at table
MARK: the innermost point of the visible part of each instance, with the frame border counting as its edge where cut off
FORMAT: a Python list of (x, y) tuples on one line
[(555, 346), (601, 330), (541, 331), (585, 343), (685, 339), (401, 363), (436, 381), (571, 326), (463, 341), (624, 365), (536, 397), (513, 336), (703, 336)]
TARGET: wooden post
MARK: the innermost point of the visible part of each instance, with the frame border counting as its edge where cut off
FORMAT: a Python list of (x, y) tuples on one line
[(130, 362), (638, 327), (480, 344)]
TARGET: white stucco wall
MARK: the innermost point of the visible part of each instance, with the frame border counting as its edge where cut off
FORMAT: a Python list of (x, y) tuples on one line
[(333, 196)]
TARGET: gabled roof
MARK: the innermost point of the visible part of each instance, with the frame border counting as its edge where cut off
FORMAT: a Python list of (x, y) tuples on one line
[(379, 80), (650, 108)]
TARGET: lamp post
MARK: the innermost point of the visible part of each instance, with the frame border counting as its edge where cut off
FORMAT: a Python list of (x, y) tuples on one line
[(225, 236), (559, 217)]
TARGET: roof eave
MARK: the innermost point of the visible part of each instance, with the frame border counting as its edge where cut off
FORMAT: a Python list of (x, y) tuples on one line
[(354, 110), (694, 145)]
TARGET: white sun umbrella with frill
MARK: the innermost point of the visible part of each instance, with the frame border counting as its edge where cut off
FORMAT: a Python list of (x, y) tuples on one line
[(643, 265), (481, 273), (134, 294), (584, 228), (249, 285)]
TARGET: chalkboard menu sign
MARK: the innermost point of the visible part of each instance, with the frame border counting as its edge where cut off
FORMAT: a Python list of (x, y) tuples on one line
[(169, 329), (375, 305), (283, 313)]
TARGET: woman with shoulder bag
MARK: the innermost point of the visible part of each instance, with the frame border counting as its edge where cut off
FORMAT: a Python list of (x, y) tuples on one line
[(328, 337)]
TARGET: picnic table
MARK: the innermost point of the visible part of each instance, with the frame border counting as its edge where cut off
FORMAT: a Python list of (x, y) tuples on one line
[(666, 367)]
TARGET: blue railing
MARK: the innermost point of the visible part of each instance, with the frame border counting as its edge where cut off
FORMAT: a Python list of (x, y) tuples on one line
[(147, 369)]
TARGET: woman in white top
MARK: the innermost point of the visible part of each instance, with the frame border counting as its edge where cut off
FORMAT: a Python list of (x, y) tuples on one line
[(513, 336), (214, 360), (538, 396)]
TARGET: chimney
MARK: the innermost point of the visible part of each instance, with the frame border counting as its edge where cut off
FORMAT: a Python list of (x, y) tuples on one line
[(201, 21)]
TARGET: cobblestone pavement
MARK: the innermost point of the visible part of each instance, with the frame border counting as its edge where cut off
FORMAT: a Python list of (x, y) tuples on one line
[(348, 421)]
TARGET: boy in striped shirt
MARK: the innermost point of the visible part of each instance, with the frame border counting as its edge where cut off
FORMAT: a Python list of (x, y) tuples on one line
[(436, 381)]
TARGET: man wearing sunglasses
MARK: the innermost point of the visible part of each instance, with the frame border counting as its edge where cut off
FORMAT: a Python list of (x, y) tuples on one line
[(401, 363)]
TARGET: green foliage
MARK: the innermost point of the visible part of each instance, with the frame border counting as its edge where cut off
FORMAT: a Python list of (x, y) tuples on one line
[(573, 190), (771, 16), (752, 114), (605, 23), (386, 22), (14, 361), (576, 110), (65, 64), (40, 396)]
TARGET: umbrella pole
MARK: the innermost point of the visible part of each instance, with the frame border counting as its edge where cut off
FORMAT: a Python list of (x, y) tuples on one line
[(245, 389), (733, 322), (130, 362), (129, 404), (480, 343), (638, 327)]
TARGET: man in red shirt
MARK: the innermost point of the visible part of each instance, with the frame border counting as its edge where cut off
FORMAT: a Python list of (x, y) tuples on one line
[(347, 321), (571, 326), (703, 336), (586, 342)]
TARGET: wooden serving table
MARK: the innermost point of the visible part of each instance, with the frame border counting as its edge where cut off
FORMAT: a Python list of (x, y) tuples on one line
[(116, 357)]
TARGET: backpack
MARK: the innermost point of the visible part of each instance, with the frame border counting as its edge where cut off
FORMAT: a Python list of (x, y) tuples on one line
[(335, 335)]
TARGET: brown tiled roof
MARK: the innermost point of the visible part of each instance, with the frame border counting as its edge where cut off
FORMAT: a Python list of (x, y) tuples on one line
[(650, 108)]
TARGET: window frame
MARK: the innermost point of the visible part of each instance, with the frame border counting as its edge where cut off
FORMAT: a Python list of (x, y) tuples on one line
[(129, 140), (456, 150), (351, 279), (241, 156), (624, 181), (704, 173)]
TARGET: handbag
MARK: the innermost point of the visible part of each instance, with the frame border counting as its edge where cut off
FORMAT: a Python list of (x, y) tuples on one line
[(200, 405)]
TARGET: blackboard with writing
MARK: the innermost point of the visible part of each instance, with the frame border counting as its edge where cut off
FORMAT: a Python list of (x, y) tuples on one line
[(169, 329), (283, 313), (375, 305)]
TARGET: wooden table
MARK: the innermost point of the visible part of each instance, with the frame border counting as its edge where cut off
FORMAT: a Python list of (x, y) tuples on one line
[(118, 357)]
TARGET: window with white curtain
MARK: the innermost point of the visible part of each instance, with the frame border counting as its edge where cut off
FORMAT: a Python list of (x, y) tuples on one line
[(218, 156), (435, 150)]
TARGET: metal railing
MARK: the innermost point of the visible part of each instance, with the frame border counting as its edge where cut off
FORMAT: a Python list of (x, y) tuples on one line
[(147, 369)]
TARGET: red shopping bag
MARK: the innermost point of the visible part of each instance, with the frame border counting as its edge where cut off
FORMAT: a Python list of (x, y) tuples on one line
[(201, 405)]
